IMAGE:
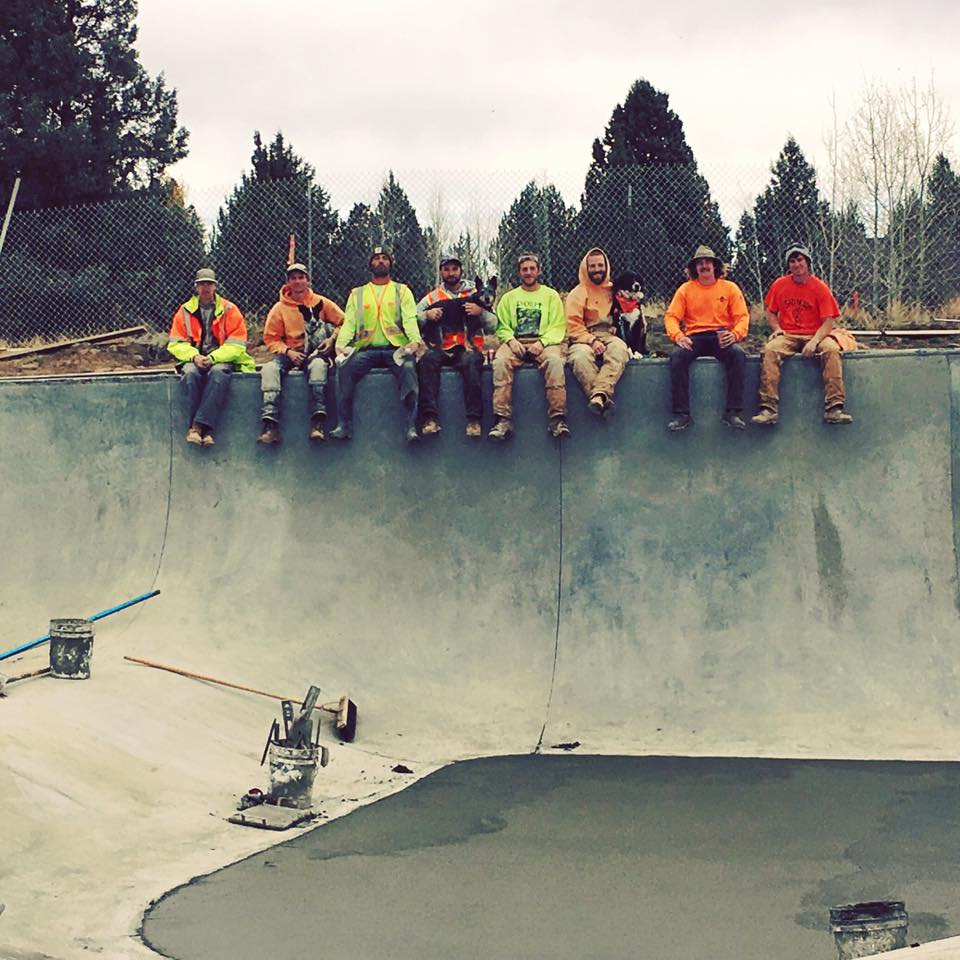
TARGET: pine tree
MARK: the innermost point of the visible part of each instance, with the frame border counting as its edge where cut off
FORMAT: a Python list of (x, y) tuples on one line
[(400, 232), (943, 243), (538, 221), (354, 239), (80, 119), (789, 211), (279, 197), (644, 200)]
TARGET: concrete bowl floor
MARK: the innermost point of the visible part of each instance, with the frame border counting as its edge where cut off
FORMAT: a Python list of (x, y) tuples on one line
[(591, 857)]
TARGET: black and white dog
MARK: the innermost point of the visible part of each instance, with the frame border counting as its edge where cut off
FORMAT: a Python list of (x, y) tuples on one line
[(629, 322), (455, 319)]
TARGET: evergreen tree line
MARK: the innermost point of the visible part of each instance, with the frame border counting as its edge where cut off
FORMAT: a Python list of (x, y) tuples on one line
[(103, 238)]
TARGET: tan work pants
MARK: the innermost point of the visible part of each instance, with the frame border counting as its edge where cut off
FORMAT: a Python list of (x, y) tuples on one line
[(785, 345), (551, 363), (613, 362)]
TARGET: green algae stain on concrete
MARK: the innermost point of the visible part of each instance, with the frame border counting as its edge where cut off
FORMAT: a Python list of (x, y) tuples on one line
[(830, 568)]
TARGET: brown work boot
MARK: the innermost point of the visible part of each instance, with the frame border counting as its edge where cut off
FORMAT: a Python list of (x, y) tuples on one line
[(194, 435), (431, 427), (837, 415), (316, 428), (208, 440), (597, 404), (271, 433), (766, 417), (558, 427), (473, 428), (501, 430)]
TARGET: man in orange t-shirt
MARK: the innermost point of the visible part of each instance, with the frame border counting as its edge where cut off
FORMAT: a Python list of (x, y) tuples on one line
[(801, 311), (706, 317)]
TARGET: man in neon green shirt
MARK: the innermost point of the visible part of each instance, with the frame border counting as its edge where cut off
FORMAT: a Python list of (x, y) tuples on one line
[(379, 330), (530, 326)]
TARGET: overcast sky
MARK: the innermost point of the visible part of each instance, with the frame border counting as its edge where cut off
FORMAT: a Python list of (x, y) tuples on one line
[(428, 88)]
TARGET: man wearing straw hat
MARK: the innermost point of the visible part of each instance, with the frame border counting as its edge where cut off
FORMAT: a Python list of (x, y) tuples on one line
[(706, 318)]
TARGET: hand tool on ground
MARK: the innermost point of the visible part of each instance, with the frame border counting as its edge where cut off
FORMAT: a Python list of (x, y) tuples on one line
[(23, 676), (345, 710), (97, 616)]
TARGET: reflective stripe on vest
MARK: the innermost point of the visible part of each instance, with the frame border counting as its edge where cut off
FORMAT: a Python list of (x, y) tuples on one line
[(394, 329)]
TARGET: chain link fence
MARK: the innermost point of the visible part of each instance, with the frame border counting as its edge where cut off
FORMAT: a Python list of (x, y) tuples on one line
[(86, 269)]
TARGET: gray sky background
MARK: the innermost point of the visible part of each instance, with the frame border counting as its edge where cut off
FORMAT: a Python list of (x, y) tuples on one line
[(443, 93)]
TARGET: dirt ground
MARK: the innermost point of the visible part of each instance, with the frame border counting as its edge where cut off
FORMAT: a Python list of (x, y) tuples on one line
[(148, 354), (140, 355)]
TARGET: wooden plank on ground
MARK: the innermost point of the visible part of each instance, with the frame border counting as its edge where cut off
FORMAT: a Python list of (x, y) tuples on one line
[(60, 344)]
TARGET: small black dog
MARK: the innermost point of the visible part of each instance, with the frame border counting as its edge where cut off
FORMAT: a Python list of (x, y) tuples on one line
[(629, 322), (455, 319)]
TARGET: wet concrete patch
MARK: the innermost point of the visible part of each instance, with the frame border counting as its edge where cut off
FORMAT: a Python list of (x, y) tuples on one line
[(592, 857)]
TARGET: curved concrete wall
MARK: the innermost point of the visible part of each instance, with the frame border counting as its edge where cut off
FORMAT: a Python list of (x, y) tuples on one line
[(784, 593), (775, 592)]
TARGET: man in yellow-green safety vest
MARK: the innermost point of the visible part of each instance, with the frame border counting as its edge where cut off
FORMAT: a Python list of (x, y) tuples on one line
[(379, 330)]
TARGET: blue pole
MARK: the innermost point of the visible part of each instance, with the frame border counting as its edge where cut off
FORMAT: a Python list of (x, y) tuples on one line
[(97, 616)]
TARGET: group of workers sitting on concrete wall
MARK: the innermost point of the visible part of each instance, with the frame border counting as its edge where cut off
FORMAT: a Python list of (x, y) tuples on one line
[(596, 330)]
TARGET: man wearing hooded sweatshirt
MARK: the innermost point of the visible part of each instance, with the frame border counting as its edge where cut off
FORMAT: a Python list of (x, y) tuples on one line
[(453, 347), (299, 332), (379, 330), (208, 338), (590, 330), (706, 317), (801, 311)]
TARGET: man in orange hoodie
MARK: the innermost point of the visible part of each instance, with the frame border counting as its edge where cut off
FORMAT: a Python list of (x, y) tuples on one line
[(706, 317), (299, 332), (590, 330)]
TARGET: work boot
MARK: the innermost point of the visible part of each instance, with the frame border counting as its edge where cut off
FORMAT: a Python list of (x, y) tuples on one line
[(733, 420), (501, 430), (558, 427), (194, 435), (473, 428), (597, 405), (340, 432), (270, 434), (316, 427), (208, 440), (431, 427), (766, 417), (837, 415), (680, 422), (411, 436)]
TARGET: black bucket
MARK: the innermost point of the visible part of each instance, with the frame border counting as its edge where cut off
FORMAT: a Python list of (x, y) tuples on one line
[(863, 929), (71, 646)]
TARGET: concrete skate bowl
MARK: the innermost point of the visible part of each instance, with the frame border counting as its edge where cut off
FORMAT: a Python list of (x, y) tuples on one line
[(773, 593)]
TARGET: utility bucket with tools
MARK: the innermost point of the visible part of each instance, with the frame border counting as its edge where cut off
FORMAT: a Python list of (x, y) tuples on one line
[(292, 770)]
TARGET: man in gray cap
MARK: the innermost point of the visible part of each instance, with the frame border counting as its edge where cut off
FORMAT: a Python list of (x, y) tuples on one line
[(454, 338), (801, 311), (208, 337), (706, 317), (379, 330), (299, 332)]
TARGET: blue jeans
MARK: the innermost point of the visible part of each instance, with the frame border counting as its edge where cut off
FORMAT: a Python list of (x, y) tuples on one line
[(360, 363), (271, 383), (707, 344), (206, 392)]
